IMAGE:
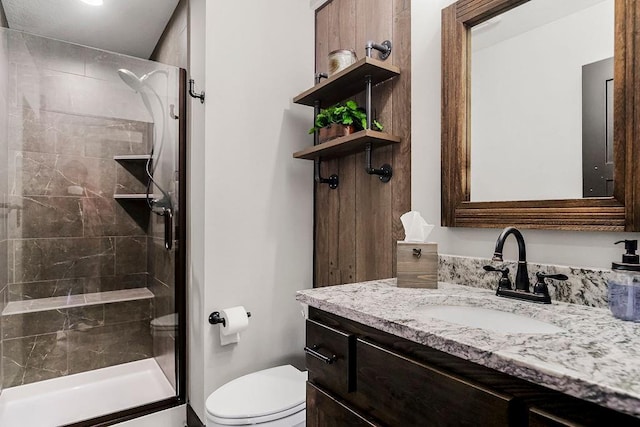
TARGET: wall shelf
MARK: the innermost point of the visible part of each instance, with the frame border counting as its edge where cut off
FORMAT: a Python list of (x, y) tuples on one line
[(347, 144), (347, 82), (360, 76)]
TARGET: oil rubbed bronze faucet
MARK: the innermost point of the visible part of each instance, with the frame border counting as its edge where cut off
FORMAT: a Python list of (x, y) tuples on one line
[(522, 274), (540, 291)]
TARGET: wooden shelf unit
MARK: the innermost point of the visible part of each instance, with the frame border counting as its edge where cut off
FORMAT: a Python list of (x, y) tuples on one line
[(347, 145), (347, 82)]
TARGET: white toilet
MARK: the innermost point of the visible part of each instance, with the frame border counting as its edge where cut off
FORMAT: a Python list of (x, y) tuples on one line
[(273, 397)]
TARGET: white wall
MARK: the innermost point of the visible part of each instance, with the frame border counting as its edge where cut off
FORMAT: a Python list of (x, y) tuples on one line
[(590, 249), (526, 103), (196, 325), (251, 202)]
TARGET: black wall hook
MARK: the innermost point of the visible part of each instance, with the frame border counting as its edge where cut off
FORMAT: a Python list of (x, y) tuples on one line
[(215, 318), (200, 95)]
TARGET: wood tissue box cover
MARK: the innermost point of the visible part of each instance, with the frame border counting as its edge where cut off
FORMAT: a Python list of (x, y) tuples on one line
[(417, 265)]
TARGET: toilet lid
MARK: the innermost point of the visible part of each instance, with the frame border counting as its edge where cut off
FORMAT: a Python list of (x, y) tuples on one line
[(259, 397)]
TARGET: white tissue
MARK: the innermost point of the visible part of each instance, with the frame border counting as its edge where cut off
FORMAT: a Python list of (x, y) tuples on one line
[(416, 229), (236, 320)]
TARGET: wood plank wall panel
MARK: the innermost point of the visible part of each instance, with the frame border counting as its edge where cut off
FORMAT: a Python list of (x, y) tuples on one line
[(321, 219), (357, 224)]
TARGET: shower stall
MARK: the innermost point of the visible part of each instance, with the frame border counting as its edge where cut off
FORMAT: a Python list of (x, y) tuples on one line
[(92, 216)]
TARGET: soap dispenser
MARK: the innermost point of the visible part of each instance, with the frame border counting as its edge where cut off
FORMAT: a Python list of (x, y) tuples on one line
[(624, 284)]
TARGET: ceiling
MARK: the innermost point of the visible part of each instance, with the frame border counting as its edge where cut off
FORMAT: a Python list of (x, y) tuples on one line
[(131, 27)]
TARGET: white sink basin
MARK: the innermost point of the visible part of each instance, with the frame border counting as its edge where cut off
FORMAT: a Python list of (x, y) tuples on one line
[(489, 319)]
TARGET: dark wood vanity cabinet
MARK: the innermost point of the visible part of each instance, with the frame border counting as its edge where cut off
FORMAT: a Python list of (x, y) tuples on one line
[(375, 378)]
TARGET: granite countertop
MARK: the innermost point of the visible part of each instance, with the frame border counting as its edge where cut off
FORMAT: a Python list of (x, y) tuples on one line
[(596, 357)]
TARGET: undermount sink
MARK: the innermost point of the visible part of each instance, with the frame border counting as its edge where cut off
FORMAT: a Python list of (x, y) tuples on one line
[(488, 319)]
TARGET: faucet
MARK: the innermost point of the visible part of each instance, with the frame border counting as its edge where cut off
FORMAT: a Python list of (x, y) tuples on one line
[(522, 274), (540, 291)]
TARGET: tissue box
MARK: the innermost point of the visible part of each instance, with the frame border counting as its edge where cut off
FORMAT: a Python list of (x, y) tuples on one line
[(417, 265)]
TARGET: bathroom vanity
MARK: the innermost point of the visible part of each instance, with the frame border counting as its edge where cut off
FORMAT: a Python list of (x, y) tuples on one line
[(382, 355)]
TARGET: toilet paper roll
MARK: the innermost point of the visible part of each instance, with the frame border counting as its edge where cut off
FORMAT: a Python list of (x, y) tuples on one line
[(236, 320)]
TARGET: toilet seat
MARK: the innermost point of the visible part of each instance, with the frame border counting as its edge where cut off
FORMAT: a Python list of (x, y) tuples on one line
[(259, 397)]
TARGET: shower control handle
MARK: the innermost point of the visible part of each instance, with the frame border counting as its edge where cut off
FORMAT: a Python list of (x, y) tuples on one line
[(168, 228)]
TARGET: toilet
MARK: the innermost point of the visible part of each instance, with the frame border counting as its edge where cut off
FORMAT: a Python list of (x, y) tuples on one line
[(272, 397)]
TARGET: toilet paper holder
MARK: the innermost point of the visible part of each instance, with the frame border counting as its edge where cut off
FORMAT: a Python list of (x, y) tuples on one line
[(214, 318)]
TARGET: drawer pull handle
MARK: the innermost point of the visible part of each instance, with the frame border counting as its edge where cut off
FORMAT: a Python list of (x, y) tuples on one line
[(312, 351)]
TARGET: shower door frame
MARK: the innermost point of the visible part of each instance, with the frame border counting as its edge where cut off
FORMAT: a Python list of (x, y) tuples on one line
[(180, 289)]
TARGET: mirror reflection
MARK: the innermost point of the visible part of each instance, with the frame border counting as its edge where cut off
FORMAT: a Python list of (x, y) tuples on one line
[(541, 102)]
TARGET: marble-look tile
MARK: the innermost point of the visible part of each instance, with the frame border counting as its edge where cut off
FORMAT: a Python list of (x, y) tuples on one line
[(46, 289), (36, 358), (25, 133), (131, 255), (109, 345), (87, 317), (127, 311), (585, 286), (47, 53), (107, 217), (595, 356), (43, 217), (164, 298), (120, 137), (49, 259), (115, 283), (30, 324), (63, 175), (161, 262)]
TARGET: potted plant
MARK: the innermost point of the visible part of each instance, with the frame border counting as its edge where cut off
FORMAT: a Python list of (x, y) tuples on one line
[(341, 120)]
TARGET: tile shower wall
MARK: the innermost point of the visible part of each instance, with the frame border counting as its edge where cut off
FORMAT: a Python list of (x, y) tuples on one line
[(68, 236)]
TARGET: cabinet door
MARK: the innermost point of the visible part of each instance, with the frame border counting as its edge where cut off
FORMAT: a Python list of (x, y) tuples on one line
[(324, 411), (404, 392)]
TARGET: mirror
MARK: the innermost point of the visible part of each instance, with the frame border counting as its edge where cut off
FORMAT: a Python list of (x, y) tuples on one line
[(532, 69), (569, 210)]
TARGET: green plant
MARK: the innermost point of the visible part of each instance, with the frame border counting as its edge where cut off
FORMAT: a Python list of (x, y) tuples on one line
[(345, 114)]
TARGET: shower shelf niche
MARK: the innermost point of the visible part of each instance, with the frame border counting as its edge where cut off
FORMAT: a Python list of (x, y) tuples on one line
[(132, 157), (135, 196), (133, 162), (78, 300)]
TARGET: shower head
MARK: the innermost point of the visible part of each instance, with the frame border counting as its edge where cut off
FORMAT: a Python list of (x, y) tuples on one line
[(134, 82)]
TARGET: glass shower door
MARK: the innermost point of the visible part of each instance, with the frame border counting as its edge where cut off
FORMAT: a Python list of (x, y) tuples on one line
[(90, 205)]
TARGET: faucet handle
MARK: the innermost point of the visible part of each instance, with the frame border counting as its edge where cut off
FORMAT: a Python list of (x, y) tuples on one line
[(541, 286), (505, 282)]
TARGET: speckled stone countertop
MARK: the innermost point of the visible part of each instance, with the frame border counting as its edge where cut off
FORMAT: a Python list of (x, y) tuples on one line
[(596, 357)]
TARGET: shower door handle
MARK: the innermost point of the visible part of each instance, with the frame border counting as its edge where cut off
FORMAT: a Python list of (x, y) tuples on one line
[(168, 228)]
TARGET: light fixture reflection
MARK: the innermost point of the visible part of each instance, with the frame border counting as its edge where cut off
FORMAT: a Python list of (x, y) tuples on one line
[(93, 2)]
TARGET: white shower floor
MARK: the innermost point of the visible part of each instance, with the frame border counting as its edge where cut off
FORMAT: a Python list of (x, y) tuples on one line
[(82, 396)]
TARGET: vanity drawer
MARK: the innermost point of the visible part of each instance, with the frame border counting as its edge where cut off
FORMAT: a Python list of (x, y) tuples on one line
[(324, 410), (330, 358), (419, 395)]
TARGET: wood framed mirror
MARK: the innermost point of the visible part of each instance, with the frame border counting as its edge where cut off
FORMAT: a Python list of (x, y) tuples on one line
[(619, 212)]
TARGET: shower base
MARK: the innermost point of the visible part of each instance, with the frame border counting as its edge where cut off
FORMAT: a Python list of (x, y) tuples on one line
[(78, 397)]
